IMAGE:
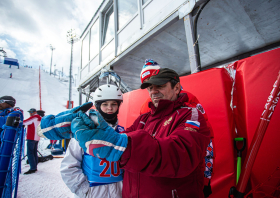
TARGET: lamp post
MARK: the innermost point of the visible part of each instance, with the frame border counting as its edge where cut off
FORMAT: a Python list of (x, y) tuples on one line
[(75, 79), (52, 48), (59, 74), (71, 38), (54, 70)]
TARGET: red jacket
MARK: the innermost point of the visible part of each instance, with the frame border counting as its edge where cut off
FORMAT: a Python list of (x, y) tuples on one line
[(165, 153), (192, 101), (32, 124)]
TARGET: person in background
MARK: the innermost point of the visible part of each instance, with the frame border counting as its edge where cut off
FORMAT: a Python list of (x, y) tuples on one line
[(6, 106), (88, 176), (149, 67), (32, 139)]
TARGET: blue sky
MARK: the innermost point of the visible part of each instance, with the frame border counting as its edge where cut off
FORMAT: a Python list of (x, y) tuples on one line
[(28, 27)]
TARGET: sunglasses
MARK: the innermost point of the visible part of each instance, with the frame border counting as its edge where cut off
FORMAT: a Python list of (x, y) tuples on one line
[(2, 101)]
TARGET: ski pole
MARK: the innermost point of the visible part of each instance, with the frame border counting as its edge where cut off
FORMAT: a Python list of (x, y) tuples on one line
[(259, 134), (239, 151)]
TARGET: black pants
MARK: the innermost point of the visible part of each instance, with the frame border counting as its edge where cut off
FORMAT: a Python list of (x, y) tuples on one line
[(32, 156)]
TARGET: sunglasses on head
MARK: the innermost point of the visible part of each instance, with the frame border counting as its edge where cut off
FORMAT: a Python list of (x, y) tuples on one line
[(2, 101)]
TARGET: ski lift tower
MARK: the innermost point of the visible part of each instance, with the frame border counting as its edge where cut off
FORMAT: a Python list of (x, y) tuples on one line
[(71, 38), (3, 52)]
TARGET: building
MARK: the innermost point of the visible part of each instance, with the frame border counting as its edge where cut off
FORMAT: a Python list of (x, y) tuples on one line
[(187, 36)]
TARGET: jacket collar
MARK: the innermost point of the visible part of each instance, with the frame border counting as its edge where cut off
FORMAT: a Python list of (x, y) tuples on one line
[(166, 107)]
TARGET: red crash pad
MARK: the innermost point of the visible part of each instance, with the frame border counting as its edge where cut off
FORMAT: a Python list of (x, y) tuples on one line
[(130, 108), (255, 77)]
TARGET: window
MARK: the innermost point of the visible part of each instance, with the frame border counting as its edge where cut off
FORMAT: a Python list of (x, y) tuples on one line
[(94, 39), (108, 26), (85, 50), (144, 1), (126, 10)]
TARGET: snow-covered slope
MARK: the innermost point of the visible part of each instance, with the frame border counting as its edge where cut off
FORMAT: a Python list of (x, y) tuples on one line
[(24, 87)]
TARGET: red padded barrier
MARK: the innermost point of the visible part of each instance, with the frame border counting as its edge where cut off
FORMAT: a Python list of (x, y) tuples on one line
[(255, 77), (130, 108), (213, 89)]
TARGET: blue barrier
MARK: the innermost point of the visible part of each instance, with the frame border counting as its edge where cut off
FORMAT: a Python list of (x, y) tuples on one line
[(10, 152)]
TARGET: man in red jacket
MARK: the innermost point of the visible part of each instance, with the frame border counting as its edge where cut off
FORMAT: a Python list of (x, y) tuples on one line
[(32, 139), (149, 67)]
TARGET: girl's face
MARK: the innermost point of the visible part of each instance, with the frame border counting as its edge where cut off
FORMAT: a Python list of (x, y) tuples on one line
[(109, 106)]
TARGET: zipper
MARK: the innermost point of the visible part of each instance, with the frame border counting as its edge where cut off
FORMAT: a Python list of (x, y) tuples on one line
[(174, 193)]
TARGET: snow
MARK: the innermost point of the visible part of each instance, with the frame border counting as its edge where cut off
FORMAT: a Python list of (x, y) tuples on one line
[(24, 87), (46, 182)]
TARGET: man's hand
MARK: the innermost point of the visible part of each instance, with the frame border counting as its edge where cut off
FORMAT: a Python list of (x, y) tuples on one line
[(99, 140), (59, 127)]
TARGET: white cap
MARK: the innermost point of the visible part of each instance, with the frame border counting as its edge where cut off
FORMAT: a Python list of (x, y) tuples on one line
[(107, 92)]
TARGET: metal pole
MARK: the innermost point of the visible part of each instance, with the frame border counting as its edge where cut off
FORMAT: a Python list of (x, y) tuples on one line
[(191, 43), (51, 62), (80, 96), (70, 76)]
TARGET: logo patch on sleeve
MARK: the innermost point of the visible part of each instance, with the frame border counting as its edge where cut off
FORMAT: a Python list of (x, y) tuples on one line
[(192, 124), (200, 108), (120, 129)]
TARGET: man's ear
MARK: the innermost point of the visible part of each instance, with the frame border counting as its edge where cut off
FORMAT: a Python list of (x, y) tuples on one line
[(177, 88)]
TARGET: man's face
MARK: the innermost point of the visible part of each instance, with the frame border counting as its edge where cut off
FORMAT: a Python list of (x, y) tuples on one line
[(32, 114), (4, 106), (165, 91)]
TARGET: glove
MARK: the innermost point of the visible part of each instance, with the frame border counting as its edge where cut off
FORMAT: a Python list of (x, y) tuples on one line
[(99, 140), (59, 127)]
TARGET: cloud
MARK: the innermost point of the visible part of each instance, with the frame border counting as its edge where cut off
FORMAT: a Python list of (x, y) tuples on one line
[(5, 46), (28, 27)]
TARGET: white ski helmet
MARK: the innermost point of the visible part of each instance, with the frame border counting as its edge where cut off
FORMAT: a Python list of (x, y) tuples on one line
[(107, 92)]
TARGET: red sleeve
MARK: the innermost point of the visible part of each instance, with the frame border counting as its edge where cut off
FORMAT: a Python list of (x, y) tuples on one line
[(174, 156)]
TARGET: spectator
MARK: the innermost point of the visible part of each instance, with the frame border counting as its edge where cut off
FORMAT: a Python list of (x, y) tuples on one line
[(32, 139), (6, 106)]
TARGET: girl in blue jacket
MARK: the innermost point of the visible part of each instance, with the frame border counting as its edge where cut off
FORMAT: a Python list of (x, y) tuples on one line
[(88, 176)]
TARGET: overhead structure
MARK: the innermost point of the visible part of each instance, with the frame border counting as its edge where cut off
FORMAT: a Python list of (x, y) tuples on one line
[(186, 36)]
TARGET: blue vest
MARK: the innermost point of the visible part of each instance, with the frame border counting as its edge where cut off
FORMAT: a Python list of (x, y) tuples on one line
[(101, 172)]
